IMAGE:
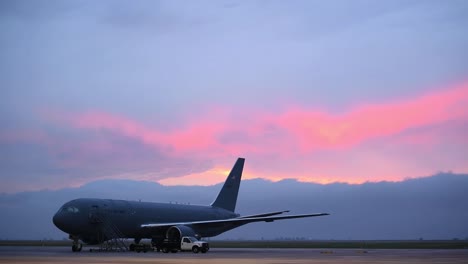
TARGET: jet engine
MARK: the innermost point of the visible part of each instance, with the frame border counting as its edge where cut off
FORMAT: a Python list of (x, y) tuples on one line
[(175, 233)]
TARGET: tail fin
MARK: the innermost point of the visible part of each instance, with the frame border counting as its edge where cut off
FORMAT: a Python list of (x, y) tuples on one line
[(227, 197)]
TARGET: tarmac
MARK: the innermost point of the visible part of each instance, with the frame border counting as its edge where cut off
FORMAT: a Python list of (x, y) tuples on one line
[(219, 255)]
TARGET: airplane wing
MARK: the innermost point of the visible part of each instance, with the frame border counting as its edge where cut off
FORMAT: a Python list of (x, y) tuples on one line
[(265, 214), (236, 221)]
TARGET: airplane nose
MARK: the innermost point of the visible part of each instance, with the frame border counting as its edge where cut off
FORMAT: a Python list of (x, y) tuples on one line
[(57, 220)]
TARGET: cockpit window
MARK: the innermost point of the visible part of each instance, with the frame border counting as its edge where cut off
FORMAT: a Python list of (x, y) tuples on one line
[(70, 209)]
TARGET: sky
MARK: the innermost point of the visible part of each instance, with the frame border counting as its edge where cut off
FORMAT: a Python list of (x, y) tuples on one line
[(174, 91)]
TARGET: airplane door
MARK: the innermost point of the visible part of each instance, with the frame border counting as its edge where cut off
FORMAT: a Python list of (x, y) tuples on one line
[(94, 214)]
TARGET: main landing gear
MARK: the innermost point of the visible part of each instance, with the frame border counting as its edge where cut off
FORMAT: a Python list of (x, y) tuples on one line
[(137, 247)]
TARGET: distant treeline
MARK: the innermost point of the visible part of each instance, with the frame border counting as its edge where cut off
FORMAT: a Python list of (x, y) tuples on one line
[(366, 244)]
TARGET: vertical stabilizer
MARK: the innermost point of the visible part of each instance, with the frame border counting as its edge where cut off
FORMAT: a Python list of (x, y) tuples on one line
[(227, 197)]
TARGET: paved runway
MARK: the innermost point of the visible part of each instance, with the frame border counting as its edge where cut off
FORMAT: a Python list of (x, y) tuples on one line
[(219, 255)]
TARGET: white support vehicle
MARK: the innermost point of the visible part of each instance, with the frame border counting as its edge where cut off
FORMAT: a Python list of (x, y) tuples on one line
[(186, 243), (194, 245)]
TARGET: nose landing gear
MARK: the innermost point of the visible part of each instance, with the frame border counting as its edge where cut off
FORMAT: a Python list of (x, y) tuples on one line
[(77, 246)]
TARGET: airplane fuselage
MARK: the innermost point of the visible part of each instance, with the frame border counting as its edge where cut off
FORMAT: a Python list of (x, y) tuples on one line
[(87, 215)]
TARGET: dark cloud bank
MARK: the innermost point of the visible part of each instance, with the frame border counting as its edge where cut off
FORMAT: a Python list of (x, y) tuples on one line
[(430, 208)]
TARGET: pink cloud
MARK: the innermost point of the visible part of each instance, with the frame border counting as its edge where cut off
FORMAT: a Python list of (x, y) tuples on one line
[(315, 129), (389, 141), (349, 147), (303, 129)]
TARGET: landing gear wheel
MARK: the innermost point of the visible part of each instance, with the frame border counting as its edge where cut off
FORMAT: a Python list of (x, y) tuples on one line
[(77, 247), (195, 249)]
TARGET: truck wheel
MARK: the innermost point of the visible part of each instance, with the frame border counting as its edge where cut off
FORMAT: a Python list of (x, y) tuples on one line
[(165, 250), (195, 249), (132, 247), (174, 250), (204, 250)]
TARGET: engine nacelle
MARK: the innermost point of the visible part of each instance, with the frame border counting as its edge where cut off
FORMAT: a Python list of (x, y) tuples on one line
[(175, 233)]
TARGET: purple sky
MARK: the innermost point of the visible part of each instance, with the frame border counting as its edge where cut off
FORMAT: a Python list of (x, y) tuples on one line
[(174, 91)]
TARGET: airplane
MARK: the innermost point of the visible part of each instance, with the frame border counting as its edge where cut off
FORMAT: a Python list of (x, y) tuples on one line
[(84, 219)]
